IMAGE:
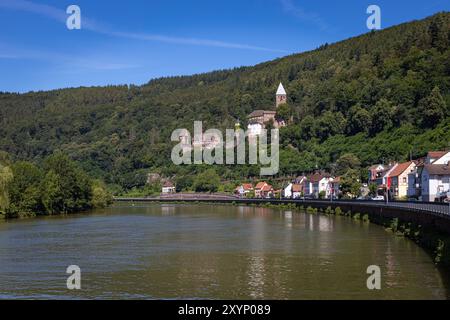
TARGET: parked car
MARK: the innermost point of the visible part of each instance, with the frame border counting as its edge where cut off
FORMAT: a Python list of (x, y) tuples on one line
[(443, 197), (378, 198)]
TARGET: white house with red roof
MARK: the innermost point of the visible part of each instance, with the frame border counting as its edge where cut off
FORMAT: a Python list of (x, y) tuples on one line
[(435, 181), (399, 179), (263, 190), (437, 157), (168, 187), (244, 189), (293, 191)]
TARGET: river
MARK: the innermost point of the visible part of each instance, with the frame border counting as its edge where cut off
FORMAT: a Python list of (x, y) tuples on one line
[(183, 251)]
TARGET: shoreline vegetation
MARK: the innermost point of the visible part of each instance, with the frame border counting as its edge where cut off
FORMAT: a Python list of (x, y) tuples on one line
[(56, 186)]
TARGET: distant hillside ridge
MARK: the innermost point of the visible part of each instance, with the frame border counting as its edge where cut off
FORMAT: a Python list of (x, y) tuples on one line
[(382, 96)]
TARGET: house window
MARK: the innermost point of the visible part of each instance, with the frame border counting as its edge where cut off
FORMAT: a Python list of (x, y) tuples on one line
[(404, 179)]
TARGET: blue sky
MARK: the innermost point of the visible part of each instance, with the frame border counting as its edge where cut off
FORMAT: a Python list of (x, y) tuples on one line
[(131, 42)]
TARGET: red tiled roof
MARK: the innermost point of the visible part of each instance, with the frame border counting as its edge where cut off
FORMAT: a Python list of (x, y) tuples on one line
[(267, 187), (260, 185), (401, 167), (247, 186), (316, 177), (168, 184), (437, 154)]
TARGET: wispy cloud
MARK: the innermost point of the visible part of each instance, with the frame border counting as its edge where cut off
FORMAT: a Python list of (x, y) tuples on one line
[(8, 56), (68, 61), (29, 6), (189, 41), (94, 26), (291, 8)]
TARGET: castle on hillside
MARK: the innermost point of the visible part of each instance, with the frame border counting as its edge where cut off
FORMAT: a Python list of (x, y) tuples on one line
[(258, 119)]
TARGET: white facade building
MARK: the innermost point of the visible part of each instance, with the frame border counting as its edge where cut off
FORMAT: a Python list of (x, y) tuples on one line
[(435, 180)]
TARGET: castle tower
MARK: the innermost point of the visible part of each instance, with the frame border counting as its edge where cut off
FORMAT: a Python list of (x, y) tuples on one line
[(281, 96)]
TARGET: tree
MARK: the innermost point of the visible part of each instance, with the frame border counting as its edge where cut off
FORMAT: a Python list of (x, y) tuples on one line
[(24, 189), (5, 158), (350, 184), (381, 116), (71, 185), (432, 108), (373, 189), (207, 181), (6, 176), (329, 124), (346, 162), (307, 128), (438, 31), (284, 113), (100, 196), (53, 194), (184, 183), (359, 120)]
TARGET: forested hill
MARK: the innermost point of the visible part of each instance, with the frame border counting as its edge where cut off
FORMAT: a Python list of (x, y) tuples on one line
[(380, 96)]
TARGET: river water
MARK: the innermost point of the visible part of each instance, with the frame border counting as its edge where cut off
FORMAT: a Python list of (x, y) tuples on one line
[(165, 251)]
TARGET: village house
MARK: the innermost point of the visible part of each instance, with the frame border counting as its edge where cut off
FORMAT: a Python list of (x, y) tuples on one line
[(301, 180), (293, 191), (434, 175), (399, 179), (318, 183), (336, 187), (258, 119), (287, 193), (435, 181), (297, 191), (263, 190), (414, 182), (383, 180), (437, 157), (415, 177), (375, 172), (307, 187), (168, 187), (244, 189)]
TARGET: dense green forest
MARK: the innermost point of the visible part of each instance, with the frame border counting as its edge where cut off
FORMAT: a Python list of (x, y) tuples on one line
[(58, 186), (381, 96)]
